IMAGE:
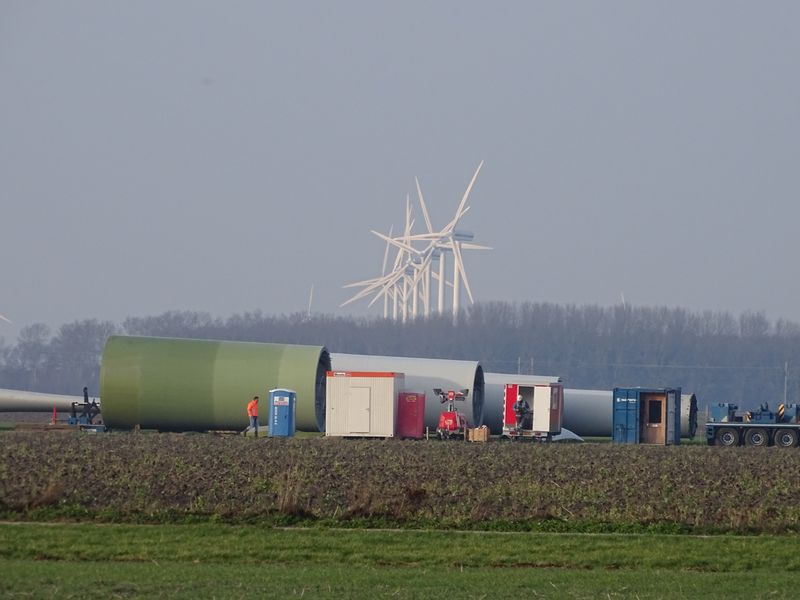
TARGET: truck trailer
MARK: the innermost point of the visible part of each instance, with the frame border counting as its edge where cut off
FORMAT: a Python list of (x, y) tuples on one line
[(761, 427)]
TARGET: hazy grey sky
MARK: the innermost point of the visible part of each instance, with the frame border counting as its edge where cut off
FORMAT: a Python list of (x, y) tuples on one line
[(224, 156)]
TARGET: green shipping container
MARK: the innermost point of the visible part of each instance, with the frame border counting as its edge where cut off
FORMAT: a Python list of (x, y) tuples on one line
[(198, 385)]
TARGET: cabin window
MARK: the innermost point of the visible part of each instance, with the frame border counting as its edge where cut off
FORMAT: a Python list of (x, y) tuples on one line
[(654, 409)]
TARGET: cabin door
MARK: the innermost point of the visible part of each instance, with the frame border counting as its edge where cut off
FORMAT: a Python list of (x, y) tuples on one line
[(653, 419)]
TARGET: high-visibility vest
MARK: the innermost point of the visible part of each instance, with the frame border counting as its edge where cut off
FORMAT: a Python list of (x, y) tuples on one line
[(252, 408)]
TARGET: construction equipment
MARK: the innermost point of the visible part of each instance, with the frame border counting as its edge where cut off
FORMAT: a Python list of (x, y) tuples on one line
[(452, 423), (533, 412), (761, 427), (84, 415)]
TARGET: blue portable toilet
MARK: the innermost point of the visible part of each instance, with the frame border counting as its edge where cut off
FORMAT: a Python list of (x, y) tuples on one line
[(647, 416), (282, 412)]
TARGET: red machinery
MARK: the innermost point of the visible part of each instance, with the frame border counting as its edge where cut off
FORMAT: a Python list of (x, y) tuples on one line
[(533, 412), (452, 424)]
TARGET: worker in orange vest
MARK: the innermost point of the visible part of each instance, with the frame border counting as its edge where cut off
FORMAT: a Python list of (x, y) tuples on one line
[(252, 412)]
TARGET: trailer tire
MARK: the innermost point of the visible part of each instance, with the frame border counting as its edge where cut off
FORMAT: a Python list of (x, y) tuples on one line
[(727, 436), (786, 438), (756, 437)]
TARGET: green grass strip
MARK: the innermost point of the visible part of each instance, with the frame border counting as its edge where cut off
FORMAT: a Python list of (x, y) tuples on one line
[(217, 543), (39, 560)]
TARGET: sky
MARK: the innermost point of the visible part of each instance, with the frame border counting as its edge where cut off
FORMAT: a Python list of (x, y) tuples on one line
[(226, 156)]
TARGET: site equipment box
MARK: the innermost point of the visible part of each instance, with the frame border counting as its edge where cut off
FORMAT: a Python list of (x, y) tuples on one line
[(282, 407), (411, 415), (362, 403), (478, 434), (647, 416)]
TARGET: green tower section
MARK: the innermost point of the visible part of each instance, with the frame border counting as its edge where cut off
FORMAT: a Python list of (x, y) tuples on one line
[(197, 385)]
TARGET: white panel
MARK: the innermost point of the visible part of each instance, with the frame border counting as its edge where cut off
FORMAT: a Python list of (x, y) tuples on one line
[(541, 408), (337, 390), (359, 410)]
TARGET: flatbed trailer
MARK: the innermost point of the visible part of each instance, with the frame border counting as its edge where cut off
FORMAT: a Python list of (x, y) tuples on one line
[(761, 427)]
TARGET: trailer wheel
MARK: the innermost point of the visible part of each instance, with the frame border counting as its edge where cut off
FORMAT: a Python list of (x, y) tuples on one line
[(727, 436), (756, 437), (786, 438)]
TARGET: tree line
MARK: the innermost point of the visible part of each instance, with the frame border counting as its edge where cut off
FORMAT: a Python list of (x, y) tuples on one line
[(717, 355)]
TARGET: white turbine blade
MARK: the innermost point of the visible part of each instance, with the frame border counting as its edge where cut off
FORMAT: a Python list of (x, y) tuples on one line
[(471, 246), (421, 268), (386, 252), (396, 242), (398, 259), (381, 293), (362, 283), (452, 224), (467, 192), (408, 217), (388, 285), (368, 290), (387, 290), (362, 294), (460, 265), (423, 237), (6, 319), (424, 207), (358, 296)]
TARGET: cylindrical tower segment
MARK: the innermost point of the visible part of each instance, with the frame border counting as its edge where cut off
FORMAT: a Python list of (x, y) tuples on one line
[(196, 385)]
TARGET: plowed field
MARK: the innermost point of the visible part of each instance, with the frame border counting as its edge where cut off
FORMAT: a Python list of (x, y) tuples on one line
[(162, 477)]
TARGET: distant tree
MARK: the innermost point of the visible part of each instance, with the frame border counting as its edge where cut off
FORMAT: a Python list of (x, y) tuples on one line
[(714, 354), (75, 353), (171, 324), (26, 362)]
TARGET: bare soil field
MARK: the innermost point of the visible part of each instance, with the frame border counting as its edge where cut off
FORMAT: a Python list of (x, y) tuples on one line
[(498, 485)]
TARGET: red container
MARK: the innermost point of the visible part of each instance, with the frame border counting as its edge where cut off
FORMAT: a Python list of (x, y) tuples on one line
[(410, 415)]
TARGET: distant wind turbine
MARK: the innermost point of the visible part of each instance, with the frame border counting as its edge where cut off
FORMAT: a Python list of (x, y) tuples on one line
[(2, 318), (410, 278)]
